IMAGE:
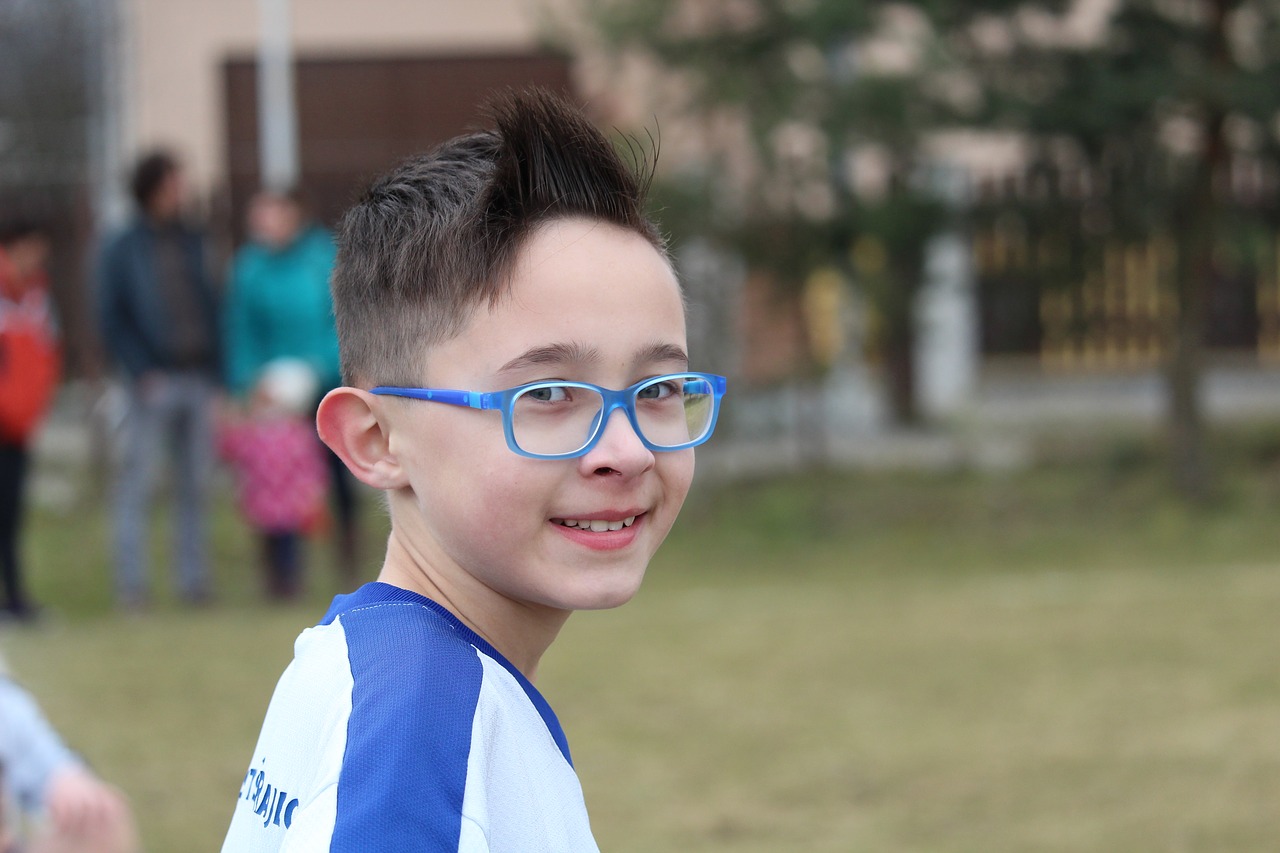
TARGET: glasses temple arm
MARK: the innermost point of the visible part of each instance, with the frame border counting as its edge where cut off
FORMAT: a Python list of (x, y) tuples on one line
[(470, 399)]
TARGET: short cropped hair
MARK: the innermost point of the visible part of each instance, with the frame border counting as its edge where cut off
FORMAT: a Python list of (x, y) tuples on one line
[(439, 236), (149, 174)]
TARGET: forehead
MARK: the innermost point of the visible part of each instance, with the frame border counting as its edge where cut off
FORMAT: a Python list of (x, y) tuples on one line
[(584, 287)]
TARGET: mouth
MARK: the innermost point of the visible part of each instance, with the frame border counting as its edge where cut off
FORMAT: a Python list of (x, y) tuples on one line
[(596, 525)]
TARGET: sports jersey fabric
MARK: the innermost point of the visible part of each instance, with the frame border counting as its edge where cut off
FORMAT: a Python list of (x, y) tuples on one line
[(397, 728)]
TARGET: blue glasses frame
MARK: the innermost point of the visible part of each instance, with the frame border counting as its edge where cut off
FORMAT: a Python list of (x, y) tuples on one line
[(612, 400)]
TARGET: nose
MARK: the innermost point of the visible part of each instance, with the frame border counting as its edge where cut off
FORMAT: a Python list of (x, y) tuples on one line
[(619, 451)]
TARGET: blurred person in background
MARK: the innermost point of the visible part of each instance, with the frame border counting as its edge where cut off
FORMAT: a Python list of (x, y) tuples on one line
[(159, 322), (29, 371), (278, 306), (280, 469), (46, 784)]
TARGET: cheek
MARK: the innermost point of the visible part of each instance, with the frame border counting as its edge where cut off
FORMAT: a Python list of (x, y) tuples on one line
[(454, 464), (487, 492), (510, 500), (676, 470), (496, 527)]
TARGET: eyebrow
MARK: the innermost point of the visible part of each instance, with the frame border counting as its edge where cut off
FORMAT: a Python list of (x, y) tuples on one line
[(659, 353), (552, 354), (574, 353)]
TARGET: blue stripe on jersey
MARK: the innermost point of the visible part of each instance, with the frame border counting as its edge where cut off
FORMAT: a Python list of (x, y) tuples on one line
[(377, 593), (409, 735)]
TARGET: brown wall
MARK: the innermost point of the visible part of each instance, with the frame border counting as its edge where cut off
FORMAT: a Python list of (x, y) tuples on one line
[(359, 116)]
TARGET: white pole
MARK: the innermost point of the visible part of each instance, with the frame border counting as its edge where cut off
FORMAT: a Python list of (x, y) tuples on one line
[(277, 110), (111, 129)]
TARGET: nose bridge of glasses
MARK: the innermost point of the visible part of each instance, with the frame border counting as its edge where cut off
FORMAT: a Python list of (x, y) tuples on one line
[(614, 401)]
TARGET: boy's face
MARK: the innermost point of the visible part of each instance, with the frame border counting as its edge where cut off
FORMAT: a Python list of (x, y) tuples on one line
[(592, 303)]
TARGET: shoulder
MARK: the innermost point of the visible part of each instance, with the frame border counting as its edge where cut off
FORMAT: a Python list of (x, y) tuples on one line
[(249, 252), (319, 236), (407, 652), (122, 239), (375, 676), (317, 243), (194, 237), (246, 261), (406, 656)]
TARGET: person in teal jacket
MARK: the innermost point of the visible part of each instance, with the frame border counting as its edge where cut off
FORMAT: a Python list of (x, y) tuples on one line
[(278, 303), (278, 306)]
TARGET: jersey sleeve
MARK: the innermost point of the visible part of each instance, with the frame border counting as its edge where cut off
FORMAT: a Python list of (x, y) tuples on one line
[(413, 703)]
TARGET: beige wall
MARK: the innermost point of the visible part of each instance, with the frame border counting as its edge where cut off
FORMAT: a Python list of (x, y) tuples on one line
[(174, 49)]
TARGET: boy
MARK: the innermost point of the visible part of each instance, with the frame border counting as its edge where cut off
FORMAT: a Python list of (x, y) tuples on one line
[(511, 271)]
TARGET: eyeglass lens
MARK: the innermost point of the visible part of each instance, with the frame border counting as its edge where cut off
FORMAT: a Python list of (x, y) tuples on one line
[(556, 419)]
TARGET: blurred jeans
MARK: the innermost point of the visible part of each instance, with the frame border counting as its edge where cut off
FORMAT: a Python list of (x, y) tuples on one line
[(170, 414)]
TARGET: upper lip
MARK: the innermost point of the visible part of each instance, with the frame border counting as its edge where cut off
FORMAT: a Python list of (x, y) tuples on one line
[(604, 515)]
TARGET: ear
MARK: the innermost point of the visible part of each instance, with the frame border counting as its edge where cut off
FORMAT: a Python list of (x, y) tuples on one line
[(348, 420)]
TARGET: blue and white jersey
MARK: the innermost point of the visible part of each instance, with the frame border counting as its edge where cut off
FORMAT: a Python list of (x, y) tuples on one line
[(397, 728)]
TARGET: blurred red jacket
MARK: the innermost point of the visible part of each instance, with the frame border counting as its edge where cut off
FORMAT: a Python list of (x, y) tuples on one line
[(30, 363)]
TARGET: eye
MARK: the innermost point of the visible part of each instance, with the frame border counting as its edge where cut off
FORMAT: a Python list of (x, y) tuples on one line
[(658, 390), (548, 394)]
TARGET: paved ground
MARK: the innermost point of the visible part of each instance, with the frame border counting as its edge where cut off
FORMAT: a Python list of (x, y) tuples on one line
[(1019, 397), (1011, 407)]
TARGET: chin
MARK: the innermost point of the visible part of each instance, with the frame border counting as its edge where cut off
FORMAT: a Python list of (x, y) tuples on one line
[(608, 603), (609, 595)]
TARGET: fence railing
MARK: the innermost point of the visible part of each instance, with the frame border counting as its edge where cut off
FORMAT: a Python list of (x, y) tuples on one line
[(1113, 316)]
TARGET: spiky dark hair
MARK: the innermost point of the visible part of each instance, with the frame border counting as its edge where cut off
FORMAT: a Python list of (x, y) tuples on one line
[(439, 235)]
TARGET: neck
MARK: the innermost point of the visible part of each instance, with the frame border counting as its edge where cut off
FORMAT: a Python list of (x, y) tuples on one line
[(520, 631)]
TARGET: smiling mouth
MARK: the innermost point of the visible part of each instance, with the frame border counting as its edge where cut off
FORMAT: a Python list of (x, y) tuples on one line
[(598, 525)]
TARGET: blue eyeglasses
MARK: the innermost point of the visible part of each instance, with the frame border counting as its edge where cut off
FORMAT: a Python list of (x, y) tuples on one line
[(564, 420)]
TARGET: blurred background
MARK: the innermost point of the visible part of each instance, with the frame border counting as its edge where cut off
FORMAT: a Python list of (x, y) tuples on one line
[(984, 553)]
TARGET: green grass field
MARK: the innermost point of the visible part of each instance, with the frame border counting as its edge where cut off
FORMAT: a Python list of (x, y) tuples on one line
[(1062, 659)]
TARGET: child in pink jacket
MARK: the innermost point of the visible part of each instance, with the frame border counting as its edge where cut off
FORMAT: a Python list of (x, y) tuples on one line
[(280, 470)]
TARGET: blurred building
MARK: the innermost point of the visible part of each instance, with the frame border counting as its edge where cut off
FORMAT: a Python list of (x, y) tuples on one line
[(374, 81), (88, 85)]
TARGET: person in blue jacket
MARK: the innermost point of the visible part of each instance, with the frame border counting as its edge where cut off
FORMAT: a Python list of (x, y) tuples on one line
[(278, 306), (158, 315)]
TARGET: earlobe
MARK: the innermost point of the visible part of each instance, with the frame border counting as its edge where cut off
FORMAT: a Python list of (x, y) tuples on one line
[(348, 422)]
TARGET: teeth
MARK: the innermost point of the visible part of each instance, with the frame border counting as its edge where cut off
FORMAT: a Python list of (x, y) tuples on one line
[(598, 525)]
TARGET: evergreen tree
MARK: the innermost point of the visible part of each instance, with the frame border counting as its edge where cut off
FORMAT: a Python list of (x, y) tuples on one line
[(1168, 123)]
